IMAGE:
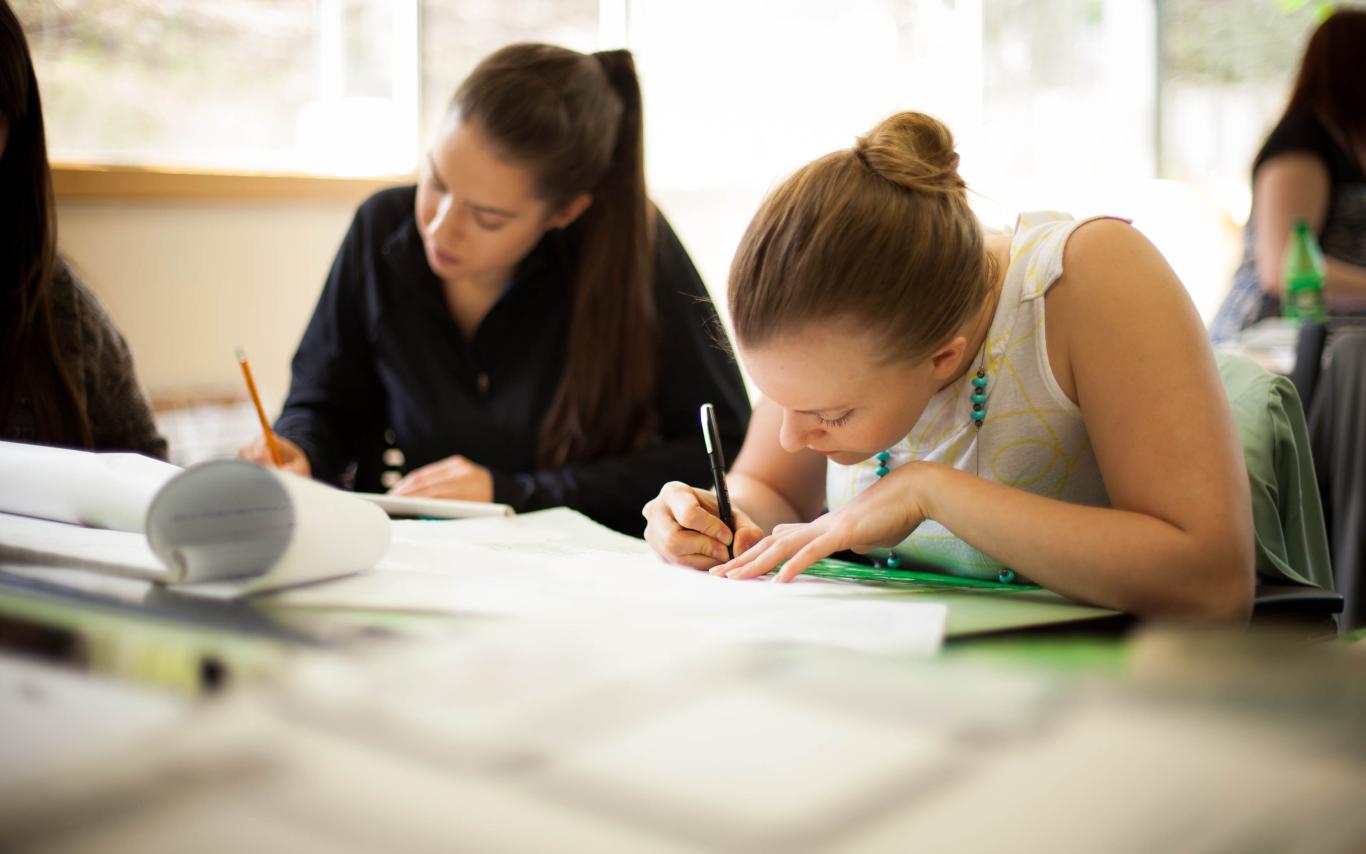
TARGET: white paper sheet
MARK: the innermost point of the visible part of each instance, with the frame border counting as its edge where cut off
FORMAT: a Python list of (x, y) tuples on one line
[(43, 541), (80, 487), (435, 508)]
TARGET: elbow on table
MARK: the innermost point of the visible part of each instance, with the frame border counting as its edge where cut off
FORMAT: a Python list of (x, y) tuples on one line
[(1221, 590), (1231, 600)]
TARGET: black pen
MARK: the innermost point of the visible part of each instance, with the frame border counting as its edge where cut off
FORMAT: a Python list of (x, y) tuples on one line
[(711, 435)]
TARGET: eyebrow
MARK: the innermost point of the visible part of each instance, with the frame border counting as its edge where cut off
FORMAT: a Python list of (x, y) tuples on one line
[(431, 162)]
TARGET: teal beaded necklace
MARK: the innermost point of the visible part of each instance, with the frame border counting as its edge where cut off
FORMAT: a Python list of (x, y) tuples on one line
[(978, 415)]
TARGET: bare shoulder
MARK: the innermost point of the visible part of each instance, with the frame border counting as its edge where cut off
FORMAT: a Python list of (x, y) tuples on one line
[(1111, 271), (1293, 165), (1115, 284), (1103, 252)]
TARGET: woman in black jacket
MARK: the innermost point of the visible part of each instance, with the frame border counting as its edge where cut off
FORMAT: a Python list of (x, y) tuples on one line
[(522, 326)]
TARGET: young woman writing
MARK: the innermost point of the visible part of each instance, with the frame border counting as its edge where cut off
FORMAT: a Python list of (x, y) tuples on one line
[(1039, 405)]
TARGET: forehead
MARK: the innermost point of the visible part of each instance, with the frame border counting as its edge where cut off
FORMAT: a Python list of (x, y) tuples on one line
[(816, 367), (466, 159)]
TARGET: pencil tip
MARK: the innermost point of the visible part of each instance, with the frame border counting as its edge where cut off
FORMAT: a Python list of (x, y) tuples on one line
[(241, 355)]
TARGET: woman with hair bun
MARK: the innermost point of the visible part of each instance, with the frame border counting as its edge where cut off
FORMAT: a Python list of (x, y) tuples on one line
[(1038, 405), (523, 326)]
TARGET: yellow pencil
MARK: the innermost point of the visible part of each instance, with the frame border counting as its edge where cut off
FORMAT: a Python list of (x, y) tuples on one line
[(260, 411)]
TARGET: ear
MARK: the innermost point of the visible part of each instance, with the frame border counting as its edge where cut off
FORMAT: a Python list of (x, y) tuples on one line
[(946, 361), (572, 210)]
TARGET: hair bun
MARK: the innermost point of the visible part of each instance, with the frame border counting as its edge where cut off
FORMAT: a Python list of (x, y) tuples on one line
[(913, 151)]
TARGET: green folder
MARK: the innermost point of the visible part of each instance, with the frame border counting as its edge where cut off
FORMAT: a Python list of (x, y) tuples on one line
[(848, 571), (975, 607)]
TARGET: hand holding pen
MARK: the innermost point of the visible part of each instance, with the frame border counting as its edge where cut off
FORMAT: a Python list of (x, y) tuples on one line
[(685, 523), (269, 449)]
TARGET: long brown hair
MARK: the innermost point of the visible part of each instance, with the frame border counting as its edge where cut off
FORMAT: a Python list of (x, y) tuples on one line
[(31, 362), (574, 120), (1332, 81), (880, 235)]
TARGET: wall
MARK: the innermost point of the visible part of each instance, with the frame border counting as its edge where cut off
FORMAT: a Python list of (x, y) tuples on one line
[(188, 282)]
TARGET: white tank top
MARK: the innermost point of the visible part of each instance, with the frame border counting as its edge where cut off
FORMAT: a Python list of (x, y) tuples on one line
[(1032, 437)]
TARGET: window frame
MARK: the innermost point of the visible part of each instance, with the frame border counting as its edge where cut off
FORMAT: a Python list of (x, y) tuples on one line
[(101, 182)]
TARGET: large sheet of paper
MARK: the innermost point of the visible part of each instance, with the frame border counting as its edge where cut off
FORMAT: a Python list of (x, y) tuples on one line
[(557, 565)]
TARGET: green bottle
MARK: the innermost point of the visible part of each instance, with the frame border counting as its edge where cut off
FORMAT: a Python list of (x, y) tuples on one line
[(1304, 275)]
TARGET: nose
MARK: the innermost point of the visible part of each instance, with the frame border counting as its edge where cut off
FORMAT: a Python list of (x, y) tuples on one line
[(447, 225), (792, 436)]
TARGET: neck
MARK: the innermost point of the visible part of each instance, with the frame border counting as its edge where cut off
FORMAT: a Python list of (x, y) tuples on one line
[(470, 298)]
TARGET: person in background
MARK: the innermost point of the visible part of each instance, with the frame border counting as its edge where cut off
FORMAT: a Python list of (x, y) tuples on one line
[(66, 375), (523, 326), (1312, 166), (1042, 404)]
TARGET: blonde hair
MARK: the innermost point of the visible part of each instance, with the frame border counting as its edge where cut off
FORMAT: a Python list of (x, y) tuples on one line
[(879, 234)]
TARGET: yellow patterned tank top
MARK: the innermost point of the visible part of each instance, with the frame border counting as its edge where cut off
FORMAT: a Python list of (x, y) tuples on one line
[(1032, 437)]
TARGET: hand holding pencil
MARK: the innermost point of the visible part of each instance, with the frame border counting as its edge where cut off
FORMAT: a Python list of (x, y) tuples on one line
[(269, 449)]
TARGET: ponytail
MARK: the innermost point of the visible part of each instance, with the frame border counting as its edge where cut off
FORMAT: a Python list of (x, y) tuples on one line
[(605, 400)]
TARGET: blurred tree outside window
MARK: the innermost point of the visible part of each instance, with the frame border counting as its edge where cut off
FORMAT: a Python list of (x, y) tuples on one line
[(1226, 68), (1150, 109), (357, 86), (331, 87), (456, 34)]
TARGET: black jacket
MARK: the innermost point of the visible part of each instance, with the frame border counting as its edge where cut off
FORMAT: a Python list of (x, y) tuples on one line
[(382, 365)]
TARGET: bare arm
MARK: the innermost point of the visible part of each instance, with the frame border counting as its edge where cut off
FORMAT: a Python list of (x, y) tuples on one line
[(773, 486), (1287, 187), (1178, 538)]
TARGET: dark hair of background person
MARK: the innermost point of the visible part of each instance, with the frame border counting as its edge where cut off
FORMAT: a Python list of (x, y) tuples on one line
[(31, 361), (574, 120), (1331, 83)]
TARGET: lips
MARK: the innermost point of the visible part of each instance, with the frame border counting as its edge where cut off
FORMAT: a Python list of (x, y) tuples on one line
[(444, 259)]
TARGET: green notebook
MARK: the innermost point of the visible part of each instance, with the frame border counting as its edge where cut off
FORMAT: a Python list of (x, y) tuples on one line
[(848, 571), (974, 607)]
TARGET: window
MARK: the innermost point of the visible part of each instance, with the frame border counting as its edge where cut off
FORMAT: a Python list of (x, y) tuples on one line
[(1148, 108), (1226, 71), (456, 35), (251, 85)]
